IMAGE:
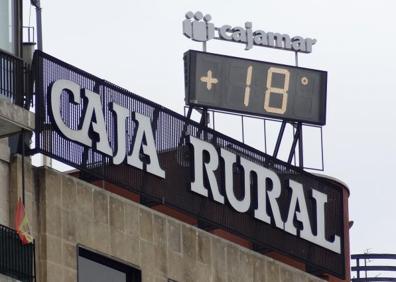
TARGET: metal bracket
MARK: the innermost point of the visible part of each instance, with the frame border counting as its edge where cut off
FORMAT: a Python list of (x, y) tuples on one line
[(298, 137)]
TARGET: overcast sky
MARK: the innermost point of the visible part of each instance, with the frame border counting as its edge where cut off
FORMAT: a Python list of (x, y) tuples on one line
[(139, 46)]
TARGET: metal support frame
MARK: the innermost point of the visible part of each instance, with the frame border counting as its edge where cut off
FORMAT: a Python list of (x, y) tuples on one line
[(297, 134), (279, 140), (298, 137)]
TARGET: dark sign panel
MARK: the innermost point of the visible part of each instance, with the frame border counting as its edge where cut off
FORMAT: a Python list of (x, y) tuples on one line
[(110, 133), (255, 87)]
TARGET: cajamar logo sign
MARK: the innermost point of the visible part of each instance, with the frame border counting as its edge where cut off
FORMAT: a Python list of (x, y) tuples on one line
[(198, 27)]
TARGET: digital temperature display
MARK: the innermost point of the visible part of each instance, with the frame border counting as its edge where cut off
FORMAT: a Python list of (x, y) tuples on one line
[(255, 87)]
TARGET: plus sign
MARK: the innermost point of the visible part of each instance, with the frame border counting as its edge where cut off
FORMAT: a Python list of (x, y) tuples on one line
[(209, 80)]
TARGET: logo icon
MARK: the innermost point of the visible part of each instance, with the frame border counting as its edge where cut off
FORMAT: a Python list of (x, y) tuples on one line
[(196, 29)]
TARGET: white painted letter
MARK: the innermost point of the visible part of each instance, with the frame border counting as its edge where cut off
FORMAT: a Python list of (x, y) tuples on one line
[(302, 215), (121, 116), (261, 211), (320, 238), (95, 107), (198, 186), (79, 135), (145, 130), (239, 205)]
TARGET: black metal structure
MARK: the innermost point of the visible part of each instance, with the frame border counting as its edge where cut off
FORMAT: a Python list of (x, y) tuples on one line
[(297, 135), (366, 264), (15, 80), (16, 260), (171, 131), (11, 77)]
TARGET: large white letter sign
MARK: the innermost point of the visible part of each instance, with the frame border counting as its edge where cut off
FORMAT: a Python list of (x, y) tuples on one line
[(79, 135), (198, 186), (95, 107), (121, 117), (145, 130), (320, 238), (302, 215), (239, 205), (262, 191)]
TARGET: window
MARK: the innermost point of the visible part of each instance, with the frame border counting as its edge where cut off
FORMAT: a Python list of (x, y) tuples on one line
[(93, 267), (8, 26)]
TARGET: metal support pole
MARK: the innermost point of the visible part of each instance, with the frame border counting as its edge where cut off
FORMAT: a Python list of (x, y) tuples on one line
[(279, 140), (203, 123), (300, 145), (321, 144), (183, 135), (37, 4), (213, 120), (265, 137), (294, 144), (243, 130), (189, 112), (39, 27), (300, 134)]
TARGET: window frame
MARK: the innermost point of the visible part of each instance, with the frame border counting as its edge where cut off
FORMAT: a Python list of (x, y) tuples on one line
[(132, 272)]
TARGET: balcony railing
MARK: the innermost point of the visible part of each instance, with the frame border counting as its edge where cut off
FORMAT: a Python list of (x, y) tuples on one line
[(14, 80), (373, 267), (16, 260)]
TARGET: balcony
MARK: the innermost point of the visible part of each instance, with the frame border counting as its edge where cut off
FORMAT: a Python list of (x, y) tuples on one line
[(16, 260), (373, 267), (11, 78), (15, 97)]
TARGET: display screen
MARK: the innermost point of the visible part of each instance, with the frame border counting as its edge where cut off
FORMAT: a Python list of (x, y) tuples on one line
[(255, 87)]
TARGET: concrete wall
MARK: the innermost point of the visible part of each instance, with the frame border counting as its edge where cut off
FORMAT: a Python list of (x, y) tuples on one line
[(71, 212), (4, 183), (12, 119)]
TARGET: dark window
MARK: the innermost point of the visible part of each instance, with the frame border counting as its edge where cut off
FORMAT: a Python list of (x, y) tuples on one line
[(8, 26), (93, 267)]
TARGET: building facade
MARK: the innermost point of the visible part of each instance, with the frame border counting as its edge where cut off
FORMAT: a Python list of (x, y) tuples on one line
[(137, 216)]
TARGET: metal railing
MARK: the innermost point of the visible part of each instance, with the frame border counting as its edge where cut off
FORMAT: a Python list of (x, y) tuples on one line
[(16, 260), (15, 80), (11, 78), (373, 267)]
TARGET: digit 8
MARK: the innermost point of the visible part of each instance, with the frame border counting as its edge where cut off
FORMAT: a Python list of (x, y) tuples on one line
[(271, 89)]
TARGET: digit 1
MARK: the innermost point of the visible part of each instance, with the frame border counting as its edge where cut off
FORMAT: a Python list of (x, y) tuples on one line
[(271, 89), (247, 88)]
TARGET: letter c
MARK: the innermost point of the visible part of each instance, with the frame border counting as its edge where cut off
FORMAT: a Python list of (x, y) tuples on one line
[(56, 92), (223, 32)]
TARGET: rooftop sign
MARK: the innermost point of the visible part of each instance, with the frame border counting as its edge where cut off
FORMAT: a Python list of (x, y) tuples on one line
[(108, 132), (199, 28), (254, 87)]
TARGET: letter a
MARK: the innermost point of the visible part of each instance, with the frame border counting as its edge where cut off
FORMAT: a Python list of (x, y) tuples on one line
[(302, 215), (145, 130)]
